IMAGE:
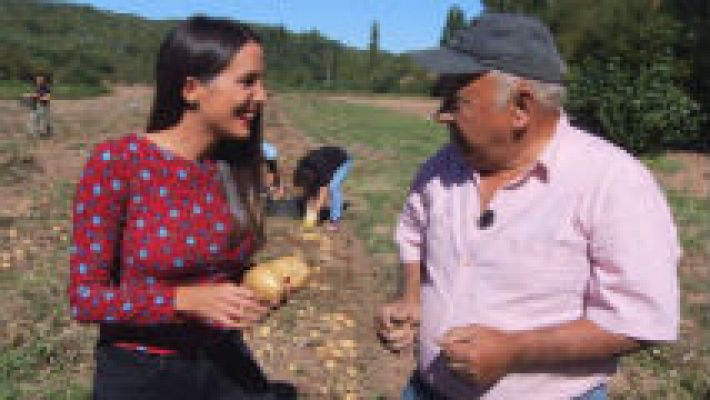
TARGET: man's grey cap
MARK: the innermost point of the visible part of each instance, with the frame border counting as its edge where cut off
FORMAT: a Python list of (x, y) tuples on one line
[(514, 43)]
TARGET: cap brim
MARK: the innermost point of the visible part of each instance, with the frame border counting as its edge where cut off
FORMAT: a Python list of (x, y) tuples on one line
[(444, 61)]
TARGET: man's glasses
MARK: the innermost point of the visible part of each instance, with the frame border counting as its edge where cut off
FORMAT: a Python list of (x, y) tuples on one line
[(452, 103), (448, 88)]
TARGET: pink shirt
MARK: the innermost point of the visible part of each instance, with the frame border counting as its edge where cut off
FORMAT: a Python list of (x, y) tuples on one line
[(586, 233)]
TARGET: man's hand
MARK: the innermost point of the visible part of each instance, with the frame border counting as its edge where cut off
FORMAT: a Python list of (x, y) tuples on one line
[(397, 324), (480, 354)]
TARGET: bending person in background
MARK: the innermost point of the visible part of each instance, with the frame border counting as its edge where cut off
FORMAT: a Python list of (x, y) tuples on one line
[(165, 224), (320, 175), (534, 253)]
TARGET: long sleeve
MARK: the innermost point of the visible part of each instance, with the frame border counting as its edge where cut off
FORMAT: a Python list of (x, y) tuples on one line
[(99, 206)]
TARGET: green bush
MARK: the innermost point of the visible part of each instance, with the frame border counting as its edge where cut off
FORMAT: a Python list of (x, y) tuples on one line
[(642, 109)]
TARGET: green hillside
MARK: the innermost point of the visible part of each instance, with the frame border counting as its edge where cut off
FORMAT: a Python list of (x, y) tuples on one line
[(80, 44)]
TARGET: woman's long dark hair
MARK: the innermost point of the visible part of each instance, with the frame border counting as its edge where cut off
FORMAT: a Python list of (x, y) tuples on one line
[(201, 47)]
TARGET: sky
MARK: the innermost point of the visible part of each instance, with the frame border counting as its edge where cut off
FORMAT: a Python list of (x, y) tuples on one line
[(404, 24)]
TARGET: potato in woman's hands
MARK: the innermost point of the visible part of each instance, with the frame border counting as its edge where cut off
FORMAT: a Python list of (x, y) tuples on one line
[(270, 280), (292, 270), (266, 284)]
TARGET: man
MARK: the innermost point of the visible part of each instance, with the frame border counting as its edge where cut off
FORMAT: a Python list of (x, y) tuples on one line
[(40, 124), (533, 253)]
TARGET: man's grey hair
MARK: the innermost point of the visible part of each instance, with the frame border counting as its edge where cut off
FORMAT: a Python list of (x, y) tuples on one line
[(550, 95)]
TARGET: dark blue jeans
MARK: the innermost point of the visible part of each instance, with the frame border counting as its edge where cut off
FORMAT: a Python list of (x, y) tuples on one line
[(220, 372), (417, 389)]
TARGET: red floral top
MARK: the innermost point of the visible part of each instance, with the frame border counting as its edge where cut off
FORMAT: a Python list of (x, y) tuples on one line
[(173, 222)]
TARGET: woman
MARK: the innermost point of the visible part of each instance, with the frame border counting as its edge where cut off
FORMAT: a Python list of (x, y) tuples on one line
[(165, 224), (320, 174)]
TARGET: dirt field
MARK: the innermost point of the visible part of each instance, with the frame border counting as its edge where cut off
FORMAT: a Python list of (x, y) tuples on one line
[(322, 341)]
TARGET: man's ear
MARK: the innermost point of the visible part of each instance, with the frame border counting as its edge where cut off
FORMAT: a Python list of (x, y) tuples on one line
[(521, 103)]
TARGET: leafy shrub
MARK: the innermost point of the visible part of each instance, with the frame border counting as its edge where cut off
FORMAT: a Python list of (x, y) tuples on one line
[(641, 109)]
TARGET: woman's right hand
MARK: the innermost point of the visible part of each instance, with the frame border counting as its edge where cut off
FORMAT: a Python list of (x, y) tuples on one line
[(227, 305)]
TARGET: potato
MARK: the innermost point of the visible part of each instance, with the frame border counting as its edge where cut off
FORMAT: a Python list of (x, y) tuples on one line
[(269, 279), (266, 284), (292, 270), (311, 236)]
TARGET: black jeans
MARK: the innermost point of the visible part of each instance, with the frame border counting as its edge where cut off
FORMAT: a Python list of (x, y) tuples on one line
[(219, 372)]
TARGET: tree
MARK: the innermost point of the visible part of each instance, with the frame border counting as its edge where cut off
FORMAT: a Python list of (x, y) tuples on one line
[(638, 66), (693, 17), (455, 20), (528, 6), (374, 48)]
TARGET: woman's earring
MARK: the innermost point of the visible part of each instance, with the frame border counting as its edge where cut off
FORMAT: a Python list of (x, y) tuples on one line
[(192, 105)]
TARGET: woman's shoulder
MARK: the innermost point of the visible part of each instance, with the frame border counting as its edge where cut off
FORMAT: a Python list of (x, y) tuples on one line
[(127, 147), (117, 155)]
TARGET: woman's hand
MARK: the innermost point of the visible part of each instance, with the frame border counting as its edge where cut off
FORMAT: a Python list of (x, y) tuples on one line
[(227, 305)]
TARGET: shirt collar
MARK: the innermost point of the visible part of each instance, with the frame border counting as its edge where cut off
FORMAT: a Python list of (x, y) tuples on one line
[(550, 156), (545, 166)]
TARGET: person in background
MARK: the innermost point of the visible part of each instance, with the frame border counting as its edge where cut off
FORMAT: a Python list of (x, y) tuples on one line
[(165, 224), (40, 124), (320, 175), (534, 254), (272, 179)]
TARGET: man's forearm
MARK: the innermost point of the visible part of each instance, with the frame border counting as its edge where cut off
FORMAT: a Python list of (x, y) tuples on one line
[(409, 281), (580, 340)]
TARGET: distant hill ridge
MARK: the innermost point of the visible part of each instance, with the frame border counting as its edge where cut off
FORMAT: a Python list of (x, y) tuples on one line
[(81, 44)]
